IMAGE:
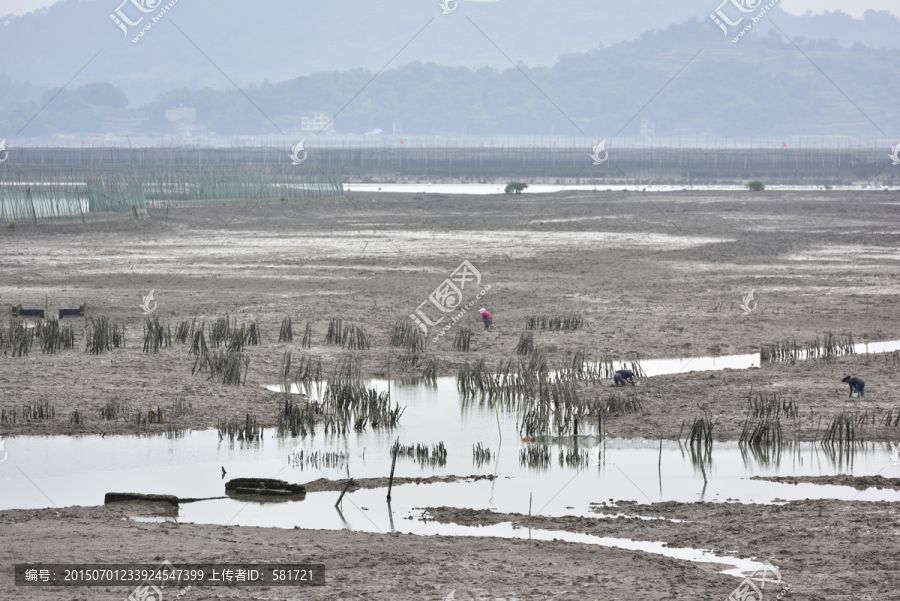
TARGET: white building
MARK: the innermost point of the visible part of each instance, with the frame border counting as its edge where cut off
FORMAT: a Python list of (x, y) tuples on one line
[(173, 115), (317, 122)]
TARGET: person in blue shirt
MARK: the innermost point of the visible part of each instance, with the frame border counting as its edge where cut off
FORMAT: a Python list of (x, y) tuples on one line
[(856, 385)]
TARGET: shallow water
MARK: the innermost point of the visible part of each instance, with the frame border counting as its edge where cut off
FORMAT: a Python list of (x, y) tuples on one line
[(417, 526), (426, 188), (80, 470), (660, 367), (61, 471)]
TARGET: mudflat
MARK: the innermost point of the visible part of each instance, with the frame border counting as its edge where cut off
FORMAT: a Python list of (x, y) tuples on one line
[(657, 275)]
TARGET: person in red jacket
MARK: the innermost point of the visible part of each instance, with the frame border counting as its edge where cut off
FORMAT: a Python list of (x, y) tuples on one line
[(487, 317)]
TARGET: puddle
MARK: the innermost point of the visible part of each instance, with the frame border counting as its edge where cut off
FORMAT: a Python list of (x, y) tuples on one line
[(740, 567)]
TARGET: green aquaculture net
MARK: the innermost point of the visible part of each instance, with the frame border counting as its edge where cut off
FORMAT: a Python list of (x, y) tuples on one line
[(175, 190), (49, 202), (119, 195)]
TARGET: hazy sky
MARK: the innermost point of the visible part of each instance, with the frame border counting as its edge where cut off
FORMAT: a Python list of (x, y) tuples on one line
[(853, 7)]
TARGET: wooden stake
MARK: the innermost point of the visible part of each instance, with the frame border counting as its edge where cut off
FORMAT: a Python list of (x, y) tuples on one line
[(341, 498), (390, 514), (395, 450), (660, 457)]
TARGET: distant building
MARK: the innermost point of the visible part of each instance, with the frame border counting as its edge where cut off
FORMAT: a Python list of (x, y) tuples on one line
[(317, 122), (648, 128), (397, 128), (123, 122), (173, 115), (184, 120)]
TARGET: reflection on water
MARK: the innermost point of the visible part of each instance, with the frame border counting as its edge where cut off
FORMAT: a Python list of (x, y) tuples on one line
[(79, 471)]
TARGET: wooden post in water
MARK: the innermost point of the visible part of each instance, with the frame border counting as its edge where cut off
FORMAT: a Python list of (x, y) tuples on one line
[(390, 515), (660, 457), (600, 422), (346, 486), (394, 451), (529, 515)]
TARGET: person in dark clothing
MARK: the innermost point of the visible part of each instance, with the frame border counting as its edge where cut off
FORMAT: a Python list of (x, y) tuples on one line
[(623, 377), (856, 385)]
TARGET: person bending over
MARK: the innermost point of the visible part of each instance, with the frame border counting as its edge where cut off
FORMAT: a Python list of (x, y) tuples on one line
[(623, 377), (487, 317), (856, 385)]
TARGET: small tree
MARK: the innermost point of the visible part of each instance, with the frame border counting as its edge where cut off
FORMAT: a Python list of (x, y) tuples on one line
[(756, 186), (516, 187)]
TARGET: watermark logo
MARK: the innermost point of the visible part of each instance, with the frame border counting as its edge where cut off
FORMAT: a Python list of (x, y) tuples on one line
[(451, 596), (165, 573), (146, 304), (753, 587), (5, 454), (601, 147), (746, 304), (146, 7), (448, 298), (895, 453), (146, 592), (446, 5), (595, 455), (6, 154), (744, 6), (295, 152), (895, 154)]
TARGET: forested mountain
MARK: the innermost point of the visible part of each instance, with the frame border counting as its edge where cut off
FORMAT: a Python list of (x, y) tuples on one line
[(451, 79)]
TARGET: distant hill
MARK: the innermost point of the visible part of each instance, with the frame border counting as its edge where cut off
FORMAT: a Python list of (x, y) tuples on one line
[(278, 41), (761, 86), (877, 29)]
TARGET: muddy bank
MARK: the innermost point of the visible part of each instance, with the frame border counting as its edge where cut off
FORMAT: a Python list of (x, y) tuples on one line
[(396, 566), (860, 482), (671, 403), (323, 484), (824, 549)]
